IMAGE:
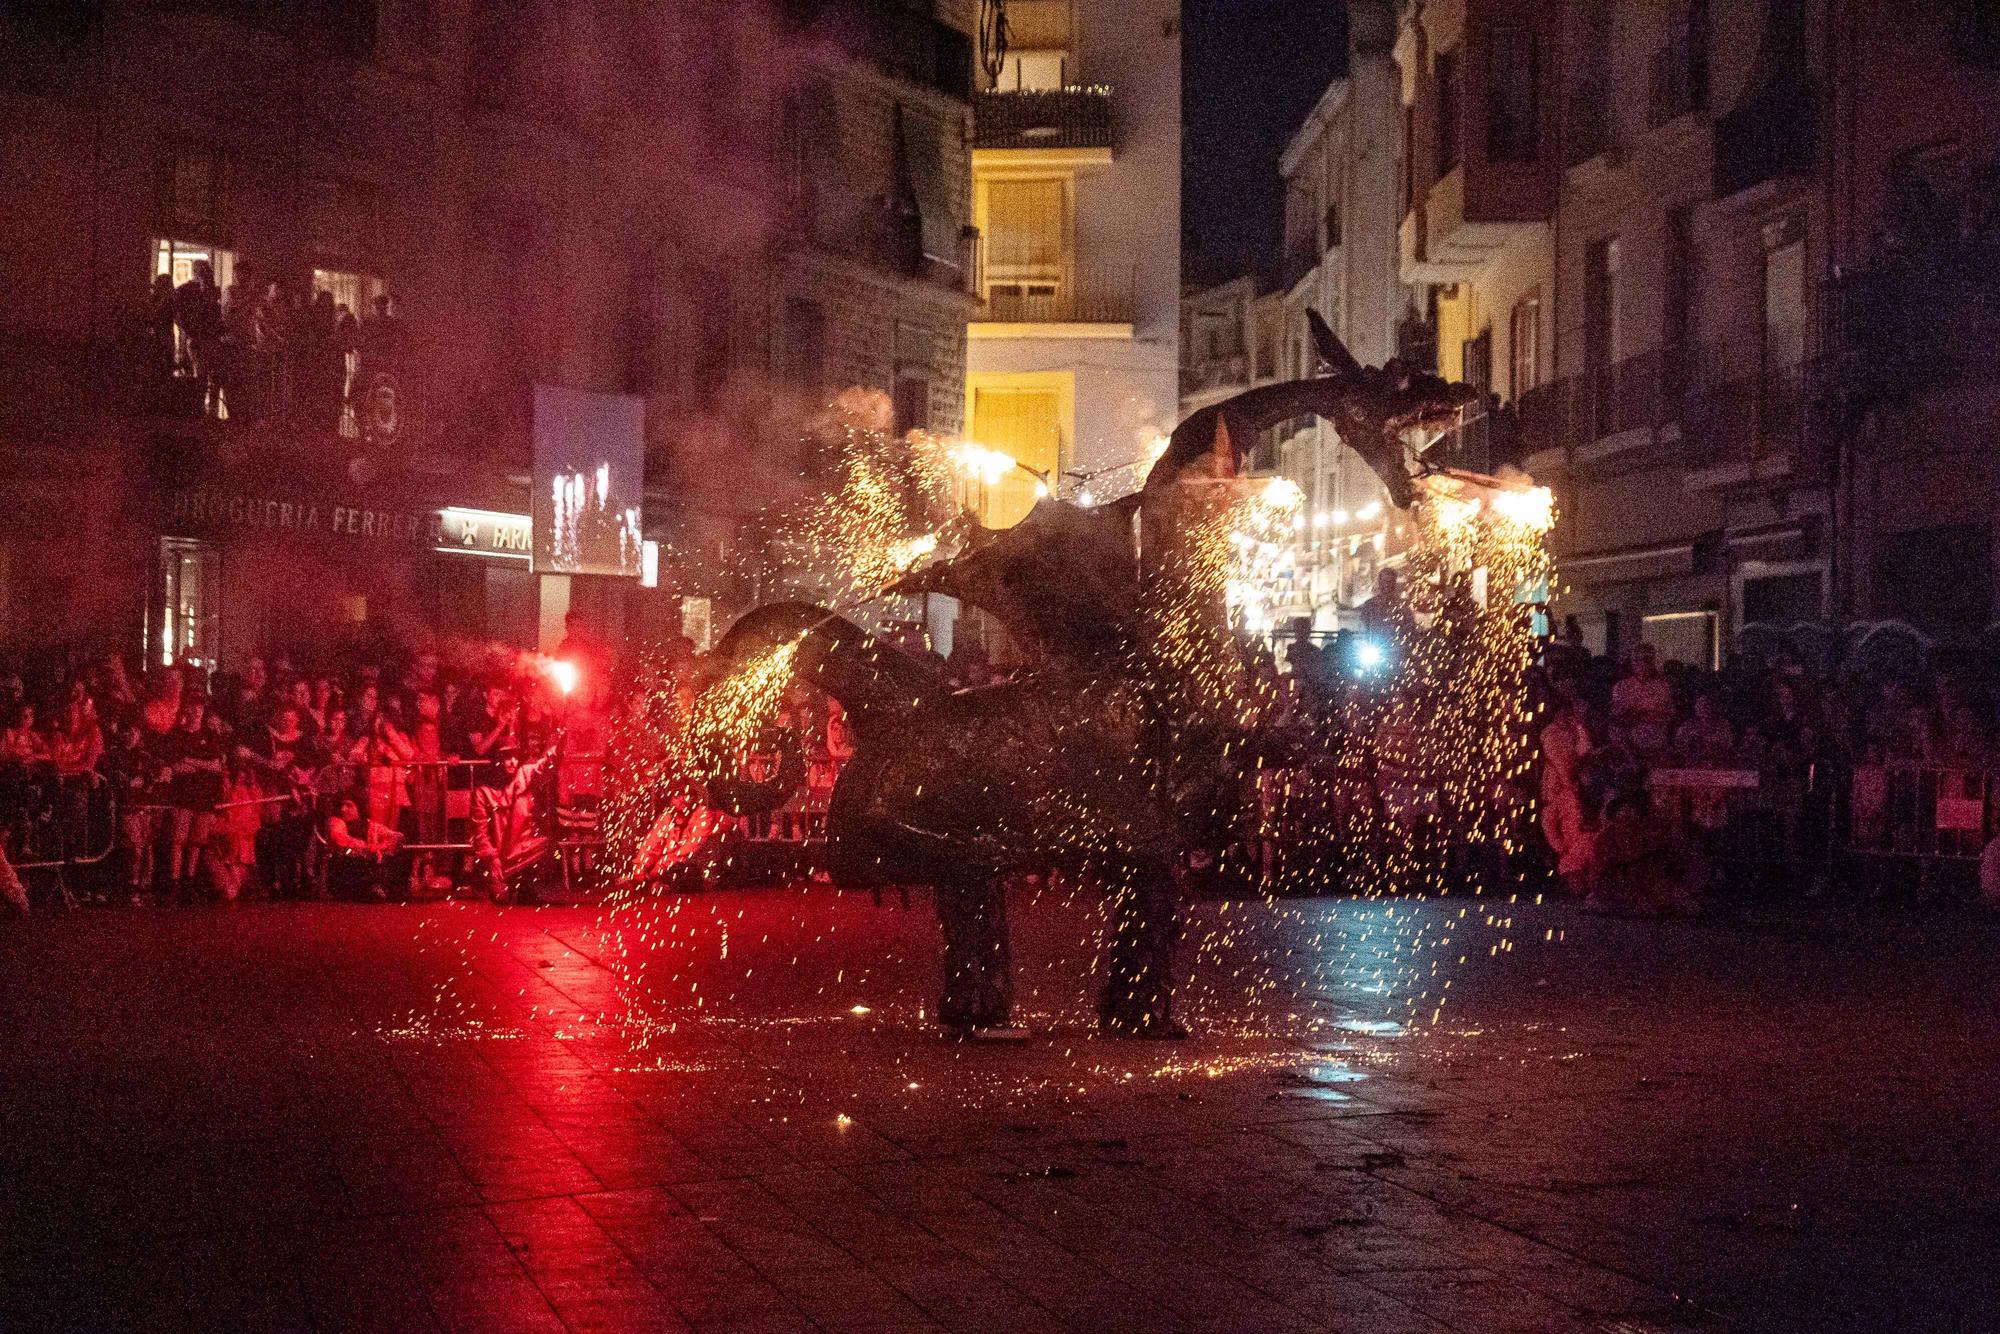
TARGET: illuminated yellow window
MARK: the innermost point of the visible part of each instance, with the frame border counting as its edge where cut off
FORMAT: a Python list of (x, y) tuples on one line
[(1026, 220), (1027, 418)]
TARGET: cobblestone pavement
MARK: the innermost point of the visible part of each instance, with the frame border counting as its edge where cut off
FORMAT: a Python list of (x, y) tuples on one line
[(728, 1114)]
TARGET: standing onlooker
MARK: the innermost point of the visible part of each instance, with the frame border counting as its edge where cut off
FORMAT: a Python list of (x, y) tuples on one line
[(1642, 704), (160, 321), (1706, 738), (1565, 743), (193, 751), (198, 311), (138, 781)]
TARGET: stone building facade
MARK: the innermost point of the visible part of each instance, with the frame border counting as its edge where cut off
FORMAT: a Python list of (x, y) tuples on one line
[(572, 194)]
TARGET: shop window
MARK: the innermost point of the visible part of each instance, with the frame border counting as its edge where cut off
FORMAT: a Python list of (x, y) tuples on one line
[(190, 575), (1511, 97), (1683, 636)]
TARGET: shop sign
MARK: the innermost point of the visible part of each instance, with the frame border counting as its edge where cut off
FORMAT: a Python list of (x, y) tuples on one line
[(452, 529), (485, 533)]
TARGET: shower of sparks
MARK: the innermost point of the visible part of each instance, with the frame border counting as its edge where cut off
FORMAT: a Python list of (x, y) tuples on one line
[(1411, 779), (731, 713)]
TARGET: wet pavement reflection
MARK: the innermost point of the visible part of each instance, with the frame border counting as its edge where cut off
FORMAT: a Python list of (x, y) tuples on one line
[(730, 1112)]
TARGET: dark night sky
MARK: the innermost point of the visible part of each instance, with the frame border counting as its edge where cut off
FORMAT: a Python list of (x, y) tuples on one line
[(1250, 71)]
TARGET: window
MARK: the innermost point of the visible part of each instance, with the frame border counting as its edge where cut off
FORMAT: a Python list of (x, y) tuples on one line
[(1600, 304), (1601, 344), (355, 291), (1510, 97), (1524, 345), (1026, 221), (1447, 111), (1476, 361), (1032, 71), (804, 348), (808, 153), (1784, 293), (1683, 636), (912, 402), (190, 572), (713, 318), (1038, 41), (1679, 75), (177, 260), (355, 294), (1784, 599), (1678, 313), (1330, 226)]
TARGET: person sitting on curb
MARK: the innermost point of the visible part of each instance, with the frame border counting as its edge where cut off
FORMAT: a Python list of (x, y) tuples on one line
[(362, 851), (509, 829)]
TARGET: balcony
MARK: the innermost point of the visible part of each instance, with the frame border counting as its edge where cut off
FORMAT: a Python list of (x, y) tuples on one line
[(58, 387), (1066, 118), (1084, 301), (1468, 218), (1733, 420)]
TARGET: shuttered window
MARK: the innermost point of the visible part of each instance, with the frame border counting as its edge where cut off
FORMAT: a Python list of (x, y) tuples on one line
[(1025, 222)]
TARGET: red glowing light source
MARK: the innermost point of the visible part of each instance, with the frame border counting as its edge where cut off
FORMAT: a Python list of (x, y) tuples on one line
[(562, 673)]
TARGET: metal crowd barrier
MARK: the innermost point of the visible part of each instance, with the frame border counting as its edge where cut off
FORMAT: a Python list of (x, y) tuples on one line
[(1921, 812), (65, 821), (446, 802)]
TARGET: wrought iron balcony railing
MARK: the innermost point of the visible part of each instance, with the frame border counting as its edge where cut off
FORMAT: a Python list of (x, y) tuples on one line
[(1726, 402), (1077, 117), (1084, 294)]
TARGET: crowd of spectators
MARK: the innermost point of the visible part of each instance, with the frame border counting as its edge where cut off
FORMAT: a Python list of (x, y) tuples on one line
[(266, 349), (209, 783), (393, 777), (1659, 785), (290, 779)]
